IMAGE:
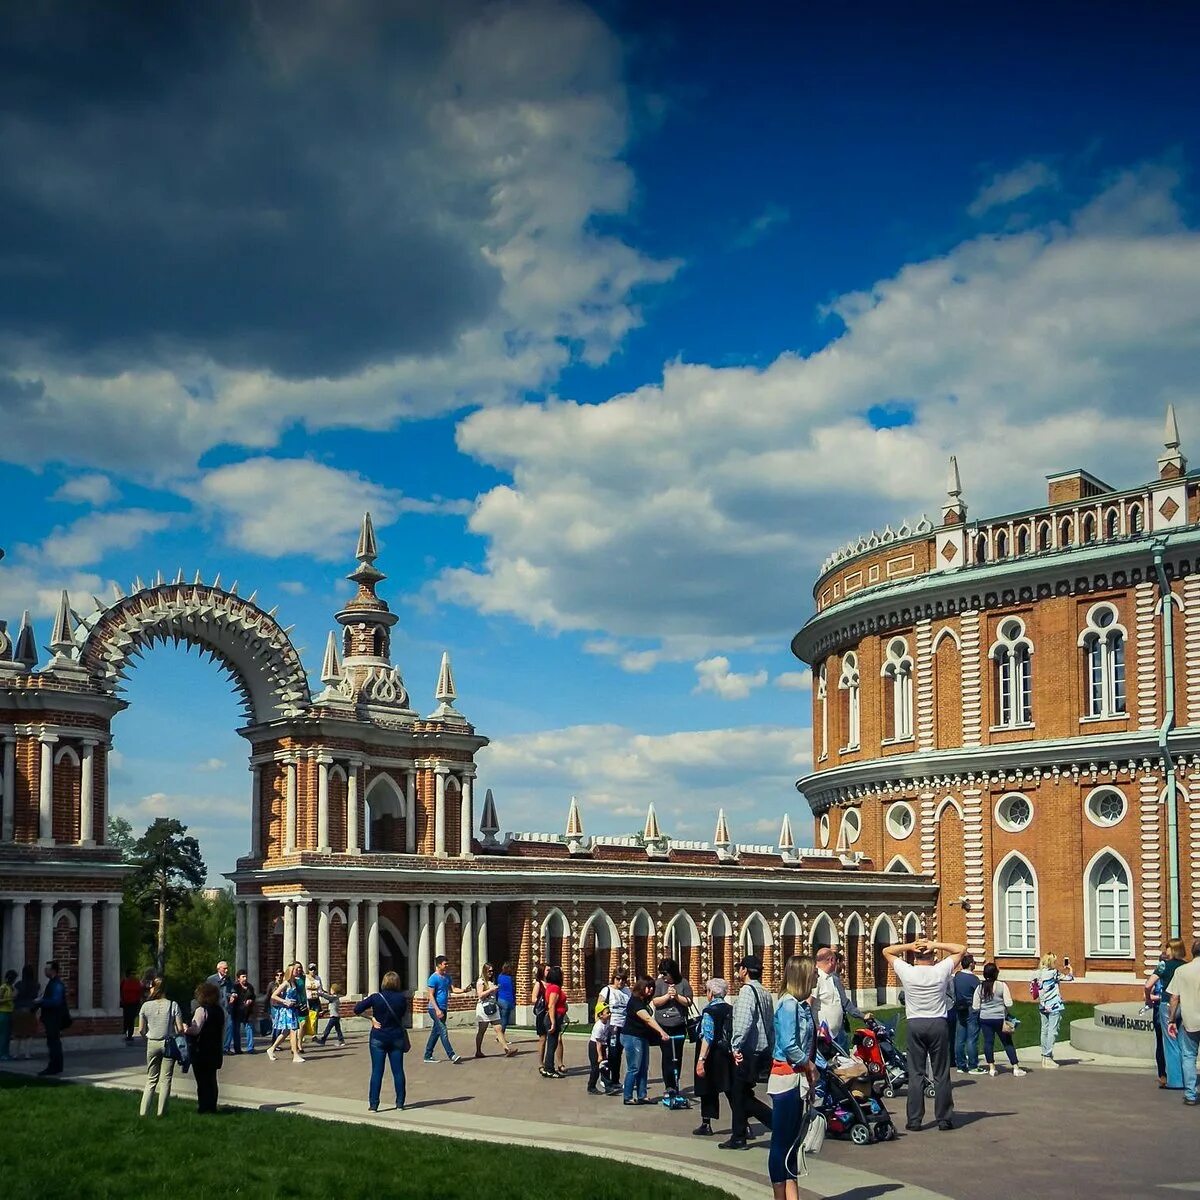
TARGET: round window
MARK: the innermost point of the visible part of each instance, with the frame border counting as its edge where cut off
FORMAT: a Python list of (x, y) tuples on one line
[(823, 829), (1105, 806), (900, 820), (1014, 813), (852, 825)]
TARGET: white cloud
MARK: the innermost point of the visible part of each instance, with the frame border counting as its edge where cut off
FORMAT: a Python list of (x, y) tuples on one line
[(91, 538), (96, 490), (1004, 188), (701, 507), (794, 681), (713, 675), (211, 764), (616, 772), (293, 587)]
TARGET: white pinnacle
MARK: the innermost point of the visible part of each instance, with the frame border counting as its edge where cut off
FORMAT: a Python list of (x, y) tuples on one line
[(651, 833), (721, 836), (61, 641), (953, 481), (331, 670), (786, 841), (574, 820), (445, 693)]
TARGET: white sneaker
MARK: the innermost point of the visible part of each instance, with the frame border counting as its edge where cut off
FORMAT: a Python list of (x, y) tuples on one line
[(271, 1053), (1018, 1072), (1048, 1064), (297, 1058), (992, 1070)]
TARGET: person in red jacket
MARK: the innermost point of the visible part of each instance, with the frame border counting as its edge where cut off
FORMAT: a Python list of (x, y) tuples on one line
[(556, 1015), (132, 994)]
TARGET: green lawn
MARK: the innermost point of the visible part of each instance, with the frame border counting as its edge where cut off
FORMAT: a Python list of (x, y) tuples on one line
[(1029, 1032), (81, 1142)]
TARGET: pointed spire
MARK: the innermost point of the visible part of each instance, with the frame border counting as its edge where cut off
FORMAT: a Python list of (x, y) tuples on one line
[(721, 835), (366, 574), (489, 824), (1171, 463), (445, 693), (368, 548), (954, 511), (61, 641), (26, 652), (651, 833), (331, 668), (786, 841), (953, 479), (574, 821)]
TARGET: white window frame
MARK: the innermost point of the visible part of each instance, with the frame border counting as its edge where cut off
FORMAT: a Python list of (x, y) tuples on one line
[(1104, 658), (894, 809), (823, 700), (1092, 946), (898, 671), (1097, 820), (1012, 653), (845, 837), (1002, 818), (823, 830), (1028, 945), (850, 682)]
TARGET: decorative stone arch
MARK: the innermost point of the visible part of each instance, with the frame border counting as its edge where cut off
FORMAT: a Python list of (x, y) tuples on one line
[(855, 944), (944, 634), (755, 921), (600, 942), (386, 812), (720, 945), (912, 926), (257, 652), (555, 937), (1091, 948), (681, 941), (949, 802), (791, 936), (66, 754), (642, 953), (899, 866), (67, 786), (999, 923), (64, 946), (822, 932), (883, 933)]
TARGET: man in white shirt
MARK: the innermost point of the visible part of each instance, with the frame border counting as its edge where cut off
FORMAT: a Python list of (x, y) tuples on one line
[(1184, 990), (926, 1001), (830, 1001)]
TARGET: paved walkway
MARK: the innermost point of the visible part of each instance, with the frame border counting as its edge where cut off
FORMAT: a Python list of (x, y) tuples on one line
[(1097, 1128)]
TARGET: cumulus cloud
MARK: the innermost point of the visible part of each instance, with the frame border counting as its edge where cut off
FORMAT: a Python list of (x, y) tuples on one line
[(616, 772), (713, 675), (701, 506), (96, 490), (794, 681), (277, 506), (89, 539), (1009, 186), (241, 219), (211, 764)]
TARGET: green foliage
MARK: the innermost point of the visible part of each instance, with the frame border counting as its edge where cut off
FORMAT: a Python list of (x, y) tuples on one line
[(199, 934), (169, 869), (120, 835), (268, 1154), (1029, 1032)]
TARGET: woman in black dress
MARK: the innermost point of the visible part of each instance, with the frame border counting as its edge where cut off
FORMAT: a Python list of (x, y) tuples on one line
[(207, 1035), (714, 1065)]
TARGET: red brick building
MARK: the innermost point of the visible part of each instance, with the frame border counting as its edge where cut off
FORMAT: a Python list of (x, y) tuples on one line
[(367, 849), (1011, 707)]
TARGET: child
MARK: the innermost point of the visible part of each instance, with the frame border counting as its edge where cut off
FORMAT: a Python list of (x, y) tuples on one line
[(334, 1024), (598, 1052)]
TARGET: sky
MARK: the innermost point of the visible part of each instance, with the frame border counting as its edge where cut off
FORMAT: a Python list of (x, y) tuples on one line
[(618, 318)]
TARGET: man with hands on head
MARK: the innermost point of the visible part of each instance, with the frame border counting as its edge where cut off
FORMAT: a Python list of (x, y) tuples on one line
[(926, 1000)]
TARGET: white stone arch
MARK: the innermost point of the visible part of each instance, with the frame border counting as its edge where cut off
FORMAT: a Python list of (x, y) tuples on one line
[(684, 920), (854, 925), (639, 916), (942, 634), (822, 928), (912, 926), (71, 918), (719, 925), (884, 924), (338, 916), (899, 865), (608, 936), (384, 797), (66, 753), (337, 772), (388, 926), (1091, 950), (999, 917), (266, 669), (746, 934), (555, 913), (791, 925), (948, 802)]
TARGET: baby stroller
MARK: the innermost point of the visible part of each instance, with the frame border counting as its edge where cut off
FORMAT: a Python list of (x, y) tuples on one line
[(887, 1066), (845, 1095)]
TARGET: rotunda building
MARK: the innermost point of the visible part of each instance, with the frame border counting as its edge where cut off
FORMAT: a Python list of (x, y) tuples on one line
[(1011, 706)]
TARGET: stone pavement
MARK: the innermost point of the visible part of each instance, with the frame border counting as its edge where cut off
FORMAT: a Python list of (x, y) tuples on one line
[(1092, 1128)]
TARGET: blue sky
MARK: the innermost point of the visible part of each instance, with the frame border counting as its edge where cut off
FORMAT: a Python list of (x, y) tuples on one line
[(619, 319)]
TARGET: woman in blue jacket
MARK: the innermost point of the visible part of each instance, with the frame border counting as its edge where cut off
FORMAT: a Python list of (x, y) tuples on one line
[(389, 1037), (793, 1074)]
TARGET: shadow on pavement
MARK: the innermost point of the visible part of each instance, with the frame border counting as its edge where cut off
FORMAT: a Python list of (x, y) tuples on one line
[(410, 1107), (868, 1192), (963, 1119)]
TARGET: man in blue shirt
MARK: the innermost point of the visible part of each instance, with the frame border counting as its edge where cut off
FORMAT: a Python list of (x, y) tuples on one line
[(965, 1018), (53, 1009), (441, 988)]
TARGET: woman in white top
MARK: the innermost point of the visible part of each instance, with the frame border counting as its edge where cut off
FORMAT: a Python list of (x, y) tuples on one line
[(615, 997), (158, 1020), (487, 1012), (993, 1002)]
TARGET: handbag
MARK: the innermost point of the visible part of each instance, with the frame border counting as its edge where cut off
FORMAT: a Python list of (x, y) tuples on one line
[(405, 1043), (1007, 1026), (691, 1022), (815, 1128), (489, 1007)]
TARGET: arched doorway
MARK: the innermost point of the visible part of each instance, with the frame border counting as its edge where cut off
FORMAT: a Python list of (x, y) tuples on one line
[(601, 953), (884, 935)]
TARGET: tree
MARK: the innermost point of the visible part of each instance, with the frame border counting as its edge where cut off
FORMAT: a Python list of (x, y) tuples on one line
[(169, 866), (200, 934), (120, 837)]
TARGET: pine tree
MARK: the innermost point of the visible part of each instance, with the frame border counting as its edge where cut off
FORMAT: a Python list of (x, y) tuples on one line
[(169, 866)]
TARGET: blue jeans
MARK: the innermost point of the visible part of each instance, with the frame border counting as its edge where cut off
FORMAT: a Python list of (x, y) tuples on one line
[(787, 1111), (248, 1026), (390, 1053), (507, 1014), (227, 1048), (1171, 1050), (637, 1066), (966, 1041), (1189, 1046), (1050, 1023), (438, 1034)]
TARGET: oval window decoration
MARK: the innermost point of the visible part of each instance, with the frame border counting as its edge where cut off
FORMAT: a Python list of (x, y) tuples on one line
[(823, 829), (1106, 807), (1014, 812), (900, 820), (852, 825)]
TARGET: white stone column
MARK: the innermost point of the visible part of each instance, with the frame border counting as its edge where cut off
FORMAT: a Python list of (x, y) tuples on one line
[(481, 935), (302, 933), (467, 951), (466, 821), (86, 793), (239, 936), (87, 955), (410, 822), (289, 933), (414, 936), (289, 817), (323, 941), (252, 955), (111, 977), (353, 944), (353, 845), (15, 946), (46, 790), (10, 791), (423, 968), (45, 935), (439, 929), (323, 762), (372, 945), (255, 817), (439, 813)]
